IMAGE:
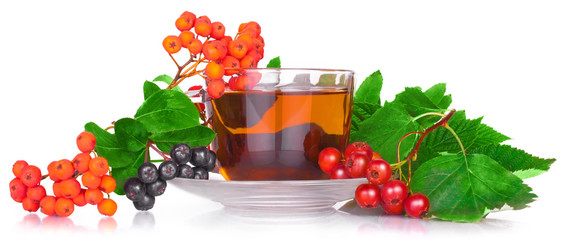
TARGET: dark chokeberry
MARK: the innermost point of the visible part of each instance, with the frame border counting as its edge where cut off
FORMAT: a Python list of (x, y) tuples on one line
[(147, 172), (134, 189), (156, 188), (200, 173), (200, 156), (211, 164), (180, 153), (185, 171), (145, 203), (168, 170)]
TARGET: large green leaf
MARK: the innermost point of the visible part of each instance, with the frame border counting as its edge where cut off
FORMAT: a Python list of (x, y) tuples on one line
[(465, 188), (436, 94), (122, 174), (370, 90), (361, 112), (168, 80), (131, 134), (108, 147), (149, 88), (417, 103), (194, 136)]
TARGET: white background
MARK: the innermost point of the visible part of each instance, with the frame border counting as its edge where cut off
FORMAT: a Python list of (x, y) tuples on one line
[(65, 63)]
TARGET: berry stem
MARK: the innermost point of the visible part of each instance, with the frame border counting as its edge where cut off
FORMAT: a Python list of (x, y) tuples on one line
[(441, 122), (174, 60), (161, 153)]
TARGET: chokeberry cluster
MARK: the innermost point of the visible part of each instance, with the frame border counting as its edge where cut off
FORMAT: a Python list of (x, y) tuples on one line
[(207, 43), (361, 161), (151, 181), (67, 190)]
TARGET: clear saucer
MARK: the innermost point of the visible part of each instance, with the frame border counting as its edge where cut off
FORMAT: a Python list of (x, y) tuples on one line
[(272, 196)]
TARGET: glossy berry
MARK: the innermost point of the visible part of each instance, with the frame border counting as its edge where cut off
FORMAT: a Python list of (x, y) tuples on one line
[(80, 200), (394, 192), (248, 61), (417, 205), (107, 207), (195, 46), (328, 159), (184, 23), (93, 196), (203, 27), (18, 191), (47, 205), (90, 180), (145, 203), (147, 173), (63, 169), (156, 188), (18, 166), (185, 171), (80, 162), (214, 71), (168, 170), (69, 188), (200, 173), (30, 175), (253, 24), (64, 207), (180, 152), (199, 156), (172, 44), (36, 193), (211, 163), (51, 169), (216, 89), (218, 30), (185, 38), (30, 205), (340, 172), (99, 166), (237, 48), (356, 164), (246, 39), (361, 147), (86, 142), (367, 196), (134, 189), (231, 64), (107, 184), (391, 208), (378, 171)]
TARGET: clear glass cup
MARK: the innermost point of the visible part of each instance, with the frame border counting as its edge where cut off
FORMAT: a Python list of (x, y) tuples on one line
[(275, 129)]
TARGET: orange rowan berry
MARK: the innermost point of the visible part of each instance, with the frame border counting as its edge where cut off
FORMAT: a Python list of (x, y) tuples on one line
[(185, 38), (195, 46), (203, 26), (247, 39), (232, 83), (63, 169), (241, 27), (255, 54), (51, 170), (90, 180), (64, 207), (18, 191), (57, 189), (18, 166), (250, 31), (69, 188), (257, 45), (184, 23), (107, 207), (253, 25), (188, 14), (216, 89), (93, 196), (107, 184), (254, 77), (261, 40), (30, 175), (214, 50), (80, 200), (248, 62), (80, 162), (226, 40), (230, 65), (30, 205), (47, 205), (237, 48), (214, 71), (86, 142), (36, 193), (218, 30), (243, 83), (172, 44), (98, 166)]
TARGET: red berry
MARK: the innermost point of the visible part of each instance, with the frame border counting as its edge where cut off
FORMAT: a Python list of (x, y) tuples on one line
[(356, 164), (80, 162), (230, 65), (64, 207), (18, 166), (417, 205), (30, 175), (393, 193), (86, 140), (216, 89), (80, 200), (98, 166), (214, 50), (218, 30), (63, 169), (340, 172), (378, 171), (202, 26), (36, 193), (47, 205), (359, 147), (391, 208), (30, 205), (328, 159), (367, 196), (184, 23), (17, 190)]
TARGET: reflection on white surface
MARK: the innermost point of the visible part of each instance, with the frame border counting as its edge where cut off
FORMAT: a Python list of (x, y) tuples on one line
[(143, 220)]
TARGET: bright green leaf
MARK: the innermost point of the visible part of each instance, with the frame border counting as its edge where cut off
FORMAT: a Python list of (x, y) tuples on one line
[(370, 90), (149, 88), (168, 80), (108, 147), (417, 103), (361, 112), (194, 136), (274, 63), (131, 134), (122, 174)]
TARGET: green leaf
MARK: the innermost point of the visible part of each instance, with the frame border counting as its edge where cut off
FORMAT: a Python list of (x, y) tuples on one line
[(519, 162), (108, 147), (274, 63), (122, 174), (149, 88), (370, 90), (437, 95), (384, 129), (417, 103), (361, 112), (464, 189), (194, 136), (131, 134), (167, 110), (168, 80)]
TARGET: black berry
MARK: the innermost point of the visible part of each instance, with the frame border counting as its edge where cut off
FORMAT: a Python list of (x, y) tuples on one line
[(147, 172), (211, 164), (156, 188), (200, 173), (168, 170), (185, 171), (199, 156), (180, 153), (145, 203), (134, 189)]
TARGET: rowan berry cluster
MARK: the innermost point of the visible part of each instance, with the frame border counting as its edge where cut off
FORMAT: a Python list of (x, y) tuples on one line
[(223, 55), (25, 188), (381, 189)]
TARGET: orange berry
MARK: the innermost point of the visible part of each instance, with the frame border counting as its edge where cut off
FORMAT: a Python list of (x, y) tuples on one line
[(258, 45), (172, 44), (237, 48), (80, 162), (214, 71), (214, 50), (63, 169), (64, 207), (248, 62), (107, 184), (247, 39), (86, 142), (185, 38), (243, 82), (69, 188), (250, 31), (261, 40), (98, 166), (230, 64), (241, 27), (51, 170), (36, 193), (184, 23), (57, 189), (93, 196), (216, 89), (226, 40), (218, 30), (202, 26), (30, 175), (80, 200), (18, 166), (47, 205), (30, 205), (18, 191), (107, 207), (253, 25), (90, 180), (188, 14), (255, 54), (195, 46)]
